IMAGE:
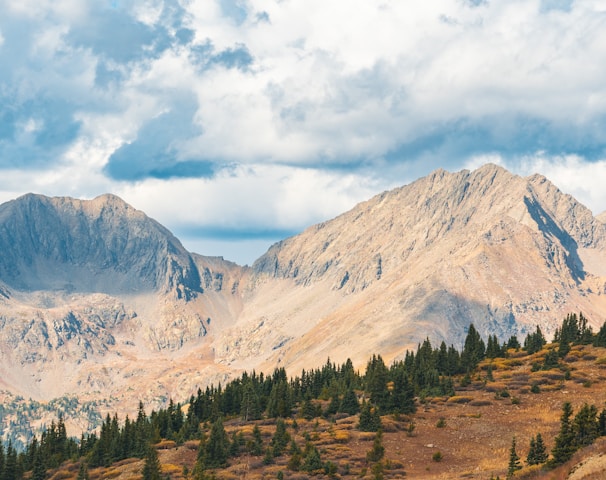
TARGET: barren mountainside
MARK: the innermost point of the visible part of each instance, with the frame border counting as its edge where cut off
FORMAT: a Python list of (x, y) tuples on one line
[(98, 300)]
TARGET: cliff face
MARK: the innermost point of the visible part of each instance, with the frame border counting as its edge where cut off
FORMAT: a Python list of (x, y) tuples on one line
[(98, 300)]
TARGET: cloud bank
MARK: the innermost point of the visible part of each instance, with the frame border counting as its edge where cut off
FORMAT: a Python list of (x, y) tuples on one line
[(243, 121)]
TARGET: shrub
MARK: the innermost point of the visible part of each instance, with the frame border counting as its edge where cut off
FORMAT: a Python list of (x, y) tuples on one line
[(437, 456), (441, 422)]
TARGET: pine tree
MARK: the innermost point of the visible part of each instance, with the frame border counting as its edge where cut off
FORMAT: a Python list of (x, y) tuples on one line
[(585, 426), (378, 450), (257, 442), (312, 459), (151, 467), (564, 442), (473, 350), (10, 463), (2, 459), (537, 454), (370, 421), (540, 450), (600, 338), (38, 468), (83, 472), (280, 438), (217, 446), (250, 408), (514, 460), (349, 403), (376, 382)]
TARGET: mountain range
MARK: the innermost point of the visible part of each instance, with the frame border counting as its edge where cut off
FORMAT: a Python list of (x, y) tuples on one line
[(101, 302)]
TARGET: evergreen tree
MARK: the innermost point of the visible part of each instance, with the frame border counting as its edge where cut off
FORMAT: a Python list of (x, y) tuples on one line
[(473, 350), (308, 409), (151, 467), (585, 426), (312, 461), (11, 471), (376, 382), (600, 339), (564, 442), (378, 450), (280, 400), (513, 343), (349, 403), (257, 442), (2, 459), (537, 454), (540, 450), (602, 423), (370, 421), (333, 406), (217, 446), (280, 439), (514, 460), (534, 342), (403, 394), (38, 468), (83, 472), (551, 360), (250, 408)]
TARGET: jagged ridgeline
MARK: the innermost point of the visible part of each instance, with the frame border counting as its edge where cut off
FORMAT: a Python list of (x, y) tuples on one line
[(101, 302), (332, 392)]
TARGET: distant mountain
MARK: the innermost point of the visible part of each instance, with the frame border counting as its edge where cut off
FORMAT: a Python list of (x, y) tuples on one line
[(102, 245), (489, 247), (100, 301)]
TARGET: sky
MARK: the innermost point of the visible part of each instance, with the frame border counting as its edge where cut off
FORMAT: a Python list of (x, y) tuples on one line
[(237, 123)]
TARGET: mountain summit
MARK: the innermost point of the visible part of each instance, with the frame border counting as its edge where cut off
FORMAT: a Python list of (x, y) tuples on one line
[(102, 245), (487, 246), (104, 298)]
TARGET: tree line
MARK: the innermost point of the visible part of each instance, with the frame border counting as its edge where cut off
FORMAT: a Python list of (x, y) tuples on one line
[(326, 391)]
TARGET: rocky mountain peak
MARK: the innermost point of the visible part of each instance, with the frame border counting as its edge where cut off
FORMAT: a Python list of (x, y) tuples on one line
[(100, 245)]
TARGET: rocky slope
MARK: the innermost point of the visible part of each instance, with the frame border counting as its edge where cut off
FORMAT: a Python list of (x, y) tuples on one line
[(487, 247), (98, 300)]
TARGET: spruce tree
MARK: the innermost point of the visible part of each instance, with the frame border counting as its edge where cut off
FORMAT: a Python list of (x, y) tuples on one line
[(280, 439), (2, 459), (370, 421), (10, 463), (514, 460), (257, 442), (564, 442), (540, 450), (585, 426), (217, 446), (151, 467), (250, 407), (39, 468), (474, 349), (537, 454), (312, 461), (83, 472), (378, 450), (349, 403)]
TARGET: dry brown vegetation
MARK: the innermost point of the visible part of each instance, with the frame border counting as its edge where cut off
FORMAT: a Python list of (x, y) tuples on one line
[(478, 425)]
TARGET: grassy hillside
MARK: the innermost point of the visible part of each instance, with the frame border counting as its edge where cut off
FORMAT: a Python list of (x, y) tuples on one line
[(467, 434)]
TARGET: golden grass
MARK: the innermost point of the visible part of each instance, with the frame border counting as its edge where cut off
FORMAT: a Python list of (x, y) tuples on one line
[(460, 399)]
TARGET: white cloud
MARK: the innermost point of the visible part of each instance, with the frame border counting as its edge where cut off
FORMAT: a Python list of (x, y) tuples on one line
[(304, 106)]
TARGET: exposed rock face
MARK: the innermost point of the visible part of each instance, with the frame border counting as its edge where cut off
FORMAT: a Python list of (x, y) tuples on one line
[(102, 245), (99, 300), (487, 247)]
